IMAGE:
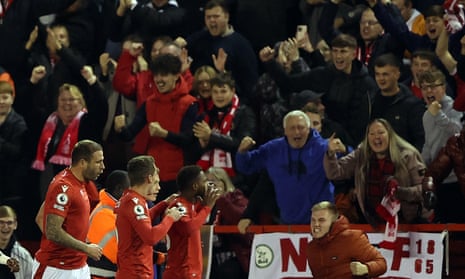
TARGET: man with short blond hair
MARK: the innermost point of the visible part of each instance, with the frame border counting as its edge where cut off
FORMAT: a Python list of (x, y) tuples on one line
[(332, 239)]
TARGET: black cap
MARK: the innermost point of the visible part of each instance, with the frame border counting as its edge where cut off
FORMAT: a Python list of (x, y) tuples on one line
[(300, 99)]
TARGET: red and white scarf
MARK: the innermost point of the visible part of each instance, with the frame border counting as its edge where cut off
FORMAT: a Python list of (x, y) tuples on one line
[(62, 155), (4, 5), (218, 157), (388, 209)]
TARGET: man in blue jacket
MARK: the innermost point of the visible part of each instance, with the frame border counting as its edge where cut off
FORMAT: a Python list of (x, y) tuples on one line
[(295, 166)]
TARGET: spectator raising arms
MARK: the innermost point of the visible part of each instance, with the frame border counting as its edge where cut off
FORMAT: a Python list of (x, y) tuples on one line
[(78, 116), (294, 159)]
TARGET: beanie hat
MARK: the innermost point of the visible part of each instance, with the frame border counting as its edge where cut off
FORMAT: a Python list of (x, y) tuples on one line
[(5, 76)]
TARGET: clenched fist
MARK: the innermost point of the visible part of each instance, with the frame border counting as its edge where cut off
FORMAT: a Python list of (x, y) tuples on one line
[(246, 144), (13, 264)]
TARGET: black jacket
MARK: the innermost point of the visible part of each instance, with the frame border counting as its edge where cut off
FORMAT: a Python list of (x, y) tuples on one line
[(15, 27), (383, 44), (347, 97), (13, 156), (244, 124), (404, 112), (149, 22)]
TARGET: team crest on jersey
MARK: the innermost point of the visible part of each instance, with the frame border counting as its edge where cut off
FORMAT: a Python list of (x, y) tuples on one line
[(140, 212)]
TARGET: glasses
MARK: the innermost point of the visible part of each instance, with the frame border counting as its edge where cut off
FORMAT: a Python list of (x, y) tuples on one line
[(368, 22), (8, 223), (427, 87)]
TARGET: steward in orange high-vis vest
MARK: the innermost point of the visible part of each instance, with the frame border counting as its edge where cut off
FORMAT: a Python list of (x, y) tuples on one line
[(102, 225)]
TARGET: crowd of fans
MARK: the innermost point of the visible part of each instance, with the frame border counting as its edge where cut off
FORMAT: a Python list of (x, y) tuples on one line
[(367, 104)]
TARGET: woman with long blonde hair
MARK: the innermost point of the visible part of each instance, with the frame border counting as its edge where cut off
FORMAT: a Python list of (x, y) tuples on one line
[(232, 251), (80, 113), (382, 161)]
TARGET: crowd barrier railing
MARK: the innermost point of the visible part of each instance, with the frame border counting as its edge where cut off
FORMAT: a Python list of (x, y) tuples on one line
[(364, 227)]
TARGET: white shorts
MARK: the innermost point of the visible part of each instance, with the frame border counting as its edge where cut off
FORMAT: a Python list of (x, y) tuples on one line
[(56, 273)]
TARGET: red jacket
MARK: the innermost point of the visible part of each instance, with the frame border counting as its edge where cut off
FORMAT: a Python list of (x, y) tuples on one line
[(330, 256), (459, 101), (450, 157), (167, 109), (138, 85), (141, 86)]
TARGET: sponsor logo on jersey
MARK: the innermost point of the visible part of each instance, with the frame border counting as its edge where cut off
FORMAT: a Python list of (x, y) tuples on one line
[(140, 212)]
